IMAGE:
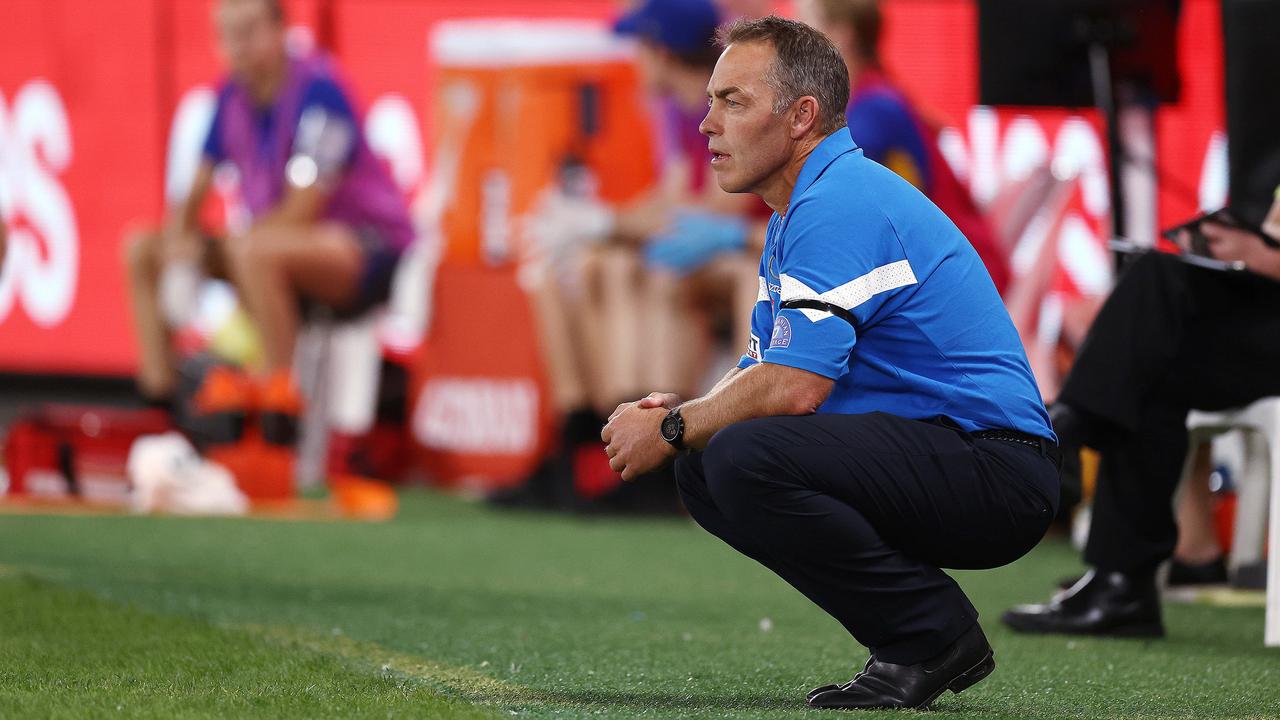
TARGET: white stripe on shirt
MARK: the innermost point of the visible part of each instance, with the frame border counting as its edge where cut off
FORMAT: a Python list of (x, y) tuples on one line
[(853, 293)]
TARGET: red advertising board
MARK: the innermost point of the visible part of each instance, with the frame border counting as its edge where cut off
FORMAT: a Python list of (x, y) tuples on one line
[(87, 95), (80, 156)]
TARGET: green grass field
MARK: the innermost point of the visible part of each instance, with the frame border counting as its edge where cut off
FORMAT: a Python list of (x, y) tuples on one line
[(454, 610)]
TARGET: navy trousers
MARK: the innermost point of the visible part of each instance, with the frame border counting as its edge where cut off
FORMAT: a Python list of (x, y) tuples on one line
[(860, 513)]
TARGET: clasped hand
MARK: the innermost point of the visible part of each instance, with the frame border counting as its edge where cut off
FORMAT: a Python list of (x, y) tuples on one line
[(633, 435)]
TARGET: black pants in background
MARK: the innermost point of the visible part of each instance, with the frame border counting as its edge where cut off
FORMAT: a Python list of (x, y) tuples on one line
[(1171, 338), (860, 512)]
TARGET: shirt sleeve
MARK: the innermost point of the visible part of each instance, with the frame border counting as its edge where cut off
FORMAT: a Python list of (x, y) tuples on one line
[(212, 149), (842, 269), (327, 128)]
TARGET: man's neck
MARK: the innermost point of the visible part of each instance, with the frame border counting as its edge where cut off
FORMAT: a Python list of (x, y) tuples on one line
[(777, 193), (264, 91)]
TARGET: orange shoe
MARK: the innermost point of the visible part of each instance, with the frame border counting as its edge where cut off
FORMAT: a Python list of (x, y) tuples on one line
[(223, 405), (363, 498), (262, 471), (280, 408)]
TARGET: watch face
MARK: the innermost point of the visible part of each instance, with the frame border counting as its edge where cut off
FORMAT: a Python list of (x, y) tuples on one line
[(670, 428)]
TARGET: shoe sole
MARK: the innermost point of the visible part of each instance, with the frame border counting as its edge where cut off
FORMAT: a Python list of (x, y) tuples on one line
[(965, 680)]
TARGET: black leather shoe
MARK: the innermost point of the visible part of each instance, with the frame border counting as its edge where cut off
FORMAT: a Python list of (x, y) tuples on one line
[(1183, 574), (883, 685), (819, 690), (1101, 603)]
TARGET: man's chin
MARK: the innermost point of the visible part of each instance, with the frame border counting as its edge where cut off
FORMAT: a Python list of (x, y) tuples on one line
[(730, 185)]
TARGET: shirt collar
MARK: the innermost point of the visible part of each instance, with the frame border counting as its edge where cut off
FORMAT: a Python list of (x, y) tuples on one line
[(833, 146)]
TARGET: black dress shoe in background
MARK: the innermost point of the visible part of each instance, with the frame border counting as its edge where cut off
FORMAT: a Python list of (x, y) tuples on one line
[(883, 685), (1101, 603), (1183, 574)]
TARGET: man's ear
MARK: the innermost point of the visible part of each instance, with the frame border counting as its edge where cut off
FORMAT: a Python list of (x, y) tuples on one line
[(804, 116)]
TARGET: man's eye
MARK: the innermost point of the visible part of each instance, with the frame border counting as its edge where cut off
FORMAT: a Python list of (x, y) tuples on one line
[(732, 103)]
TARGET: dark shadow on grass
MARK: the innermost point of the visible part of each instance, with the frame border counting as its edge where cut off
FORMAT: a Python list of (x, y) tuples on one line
[(946, 706), (669, 701)]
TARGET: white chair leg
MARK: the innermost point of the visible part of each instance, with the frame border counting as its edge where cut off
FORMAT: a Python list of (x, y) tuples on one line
[(1251, 498), (310, 363), (355, 366), (1262, 420)]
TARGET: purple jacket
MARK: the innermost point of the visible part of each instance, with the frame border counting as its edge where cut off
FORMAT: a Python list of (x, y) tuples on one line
[(260, 141)]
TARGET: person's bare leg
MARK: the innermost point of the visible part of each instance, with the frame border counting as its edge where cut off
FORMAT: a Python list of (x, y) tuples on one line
[(620, 311), (729, 282), (687, 316), (665, 329), (590, 327), (558, 344), (143, 261), (742, 273), (273, 266), (1197, 538)]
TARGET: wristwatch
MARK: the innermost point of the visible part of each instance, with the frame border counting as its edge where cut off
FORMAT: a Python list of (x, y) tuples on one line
[(673, 429)]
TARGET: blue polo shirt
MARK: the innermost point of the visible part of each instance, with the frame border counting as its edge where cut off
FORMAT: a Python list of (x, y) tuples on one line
[(867, 282)]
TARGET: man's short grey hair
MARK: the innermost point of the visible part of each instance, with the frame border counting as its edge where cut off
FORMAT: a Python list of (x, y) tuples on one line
[(805, 63)]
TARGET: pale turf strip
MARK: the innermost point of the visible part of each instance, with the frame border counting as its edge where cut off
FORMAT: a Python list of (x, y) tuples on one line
[(1217, 597), (459, 682)]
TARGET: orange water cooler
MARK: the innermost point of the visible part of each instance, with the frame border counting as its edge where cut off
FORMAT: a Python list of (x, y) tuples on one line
[(517, 103)]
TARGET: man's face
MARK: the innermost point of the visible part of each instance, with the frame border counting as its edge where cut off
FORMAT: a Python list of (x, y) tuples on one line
[(749, 143), (251, 40)]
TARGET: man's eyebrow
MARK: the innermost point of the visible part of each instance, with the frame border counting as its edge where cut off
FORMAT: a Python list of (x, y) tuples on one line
[(725, 92)]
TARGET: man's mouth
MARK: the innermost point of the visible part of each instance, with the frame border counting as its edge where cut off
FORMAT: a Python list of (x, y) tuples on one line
[(717, 157)]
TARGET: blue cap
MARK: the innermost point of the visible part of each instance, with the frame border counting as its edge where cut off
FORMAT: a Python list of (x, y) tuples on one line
[(683, 26)]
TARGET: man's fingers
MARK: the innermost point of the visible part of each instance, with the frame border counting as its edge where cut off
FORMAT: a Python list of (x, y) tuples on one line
[(619, 409), (1183, 239), (627, 475), (616, 464), (660, 399), (1221, 233), (1213, 231), (610, 450)]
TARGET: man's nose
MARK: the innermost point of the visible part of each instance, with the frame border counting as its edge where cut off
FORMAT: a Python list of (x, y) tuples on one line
[(708, 126)]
